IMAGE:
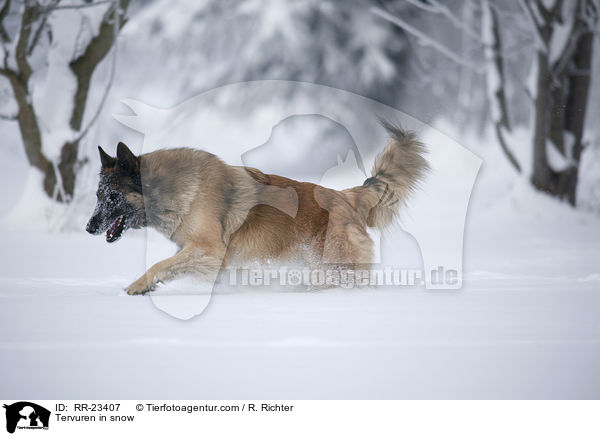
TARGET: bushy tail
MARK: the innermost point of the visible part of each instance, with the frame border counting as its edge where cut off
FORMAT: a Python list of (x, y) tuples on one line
[(397, 172)]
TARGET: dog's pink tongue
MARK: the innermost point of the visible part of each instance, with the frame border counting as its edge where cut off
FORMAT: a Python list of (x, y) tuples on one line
[(110, 232)]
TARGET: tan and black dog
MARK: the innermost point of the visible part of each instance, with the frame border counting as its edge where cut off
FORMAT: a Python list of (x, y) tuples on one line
[(218, 214)]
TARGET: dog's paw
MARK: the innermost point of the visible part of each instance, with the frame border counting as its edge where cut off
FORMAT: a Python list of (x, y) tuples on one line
[(139, 287)]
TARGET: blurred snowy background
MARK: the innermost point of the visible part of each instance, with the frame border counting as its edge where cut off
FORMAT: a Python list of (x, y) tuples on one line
[(514, 82)]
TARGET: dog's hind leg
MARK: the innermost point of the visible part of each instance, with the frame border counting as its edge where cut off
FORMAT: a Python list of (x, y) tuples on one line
[(190, 260)]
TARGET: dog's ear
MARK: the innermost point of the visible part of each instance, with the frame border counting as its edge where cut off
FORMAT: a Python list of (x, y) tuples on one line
[(106, 160), (128, 161)]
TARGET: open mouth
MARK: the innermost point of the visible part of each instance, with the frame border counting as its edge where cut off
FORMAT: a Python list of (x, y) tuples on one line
[(116, 229)]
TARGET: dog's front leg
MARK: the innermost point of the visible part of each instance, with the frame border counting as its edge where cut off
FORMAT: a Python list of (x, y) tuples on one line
[(190, 260)]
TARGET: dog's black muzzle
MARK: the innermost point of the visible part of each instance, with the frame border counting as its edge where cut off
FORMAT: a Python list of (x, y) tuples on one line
[(92, 226)]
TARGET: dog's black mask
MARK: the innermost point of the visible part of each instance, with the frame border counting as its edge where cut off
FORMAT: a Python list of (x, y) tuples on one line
[(120, 203)]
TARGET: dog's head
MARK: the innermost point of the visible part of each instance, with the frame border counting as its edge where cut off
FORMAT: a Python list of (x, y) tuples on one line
[(120, 203)]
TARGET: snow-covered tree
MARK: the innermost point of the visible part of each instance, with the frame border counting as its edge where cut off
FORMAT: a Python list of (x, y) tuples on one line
[(564, 35), (211, 43), (537, 52), (50, 51)]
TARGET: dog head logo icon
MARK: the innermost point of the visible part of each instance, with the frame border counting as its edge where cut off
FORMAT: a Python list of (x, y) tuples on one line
[(26, 415)]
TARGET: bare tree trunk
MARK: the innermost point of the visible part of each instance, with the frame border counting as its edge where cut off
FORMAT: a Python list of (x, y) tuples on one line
[(83, 68), (30, 134), (557, 115), (19, 81), (542, 176), (579, 87), (496, 69), (502, 120), (59, 177), (561, 104)]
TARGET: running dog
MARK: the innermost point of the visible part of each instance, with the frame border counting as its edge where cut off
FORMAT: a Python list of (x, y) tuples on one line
[(219, 214)]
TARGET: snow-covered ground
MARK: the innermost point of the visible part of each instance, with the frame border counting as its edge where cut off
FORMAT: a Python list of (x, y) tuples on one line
[(525, 324)]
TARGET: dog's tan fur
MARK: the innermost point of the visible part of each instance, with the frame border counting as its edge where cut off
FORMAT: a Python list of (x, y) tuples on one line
[(219, 214)]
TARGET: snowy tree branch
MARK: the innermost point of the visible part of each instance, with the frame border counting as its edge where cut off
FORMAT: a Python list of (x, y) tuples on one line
[(8, 117), (118, 21), (81, 6), (30, 14), (4, 68), (36, 37), (59, 174), (534, 18), (563, 59), (427, 41), (427, 7), (590, 15), (556, 10), (584, 22), (84, 66), (436, 7), (26, 116), (496, 80), (3, 13), (542, 11)]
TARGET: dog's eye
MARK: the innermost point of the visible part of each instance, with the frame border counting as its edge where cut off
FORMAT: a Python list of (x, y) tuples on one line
[(113, 196)]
